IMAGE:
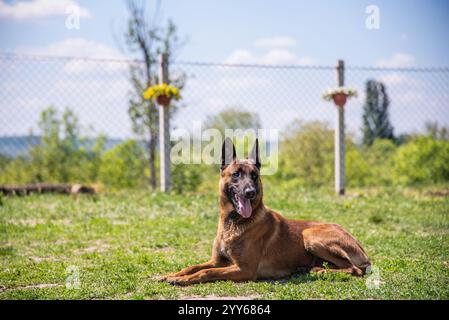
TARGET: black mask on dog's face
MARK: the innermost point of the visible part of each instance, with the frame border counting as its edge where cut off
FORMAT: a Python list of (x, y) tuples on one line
[(240, 179)]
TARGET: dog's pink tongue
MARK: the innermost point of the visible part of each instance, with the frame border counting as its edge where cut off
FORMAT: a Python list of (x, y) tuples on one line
[(245, 209)]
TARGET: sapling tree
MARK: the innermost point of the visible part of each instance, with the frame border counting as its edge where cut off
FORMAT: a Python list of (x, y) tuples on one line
[(376, 121), (147, 39)]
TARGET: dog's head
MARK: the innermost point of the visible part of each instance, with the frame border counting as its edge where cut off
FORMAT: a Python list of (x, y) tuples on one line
[(240, 184)]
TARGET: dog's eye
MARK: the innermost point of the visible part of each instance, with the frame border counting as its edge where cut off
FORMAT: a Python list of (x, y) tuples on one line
[(236, 174), (254, 175)]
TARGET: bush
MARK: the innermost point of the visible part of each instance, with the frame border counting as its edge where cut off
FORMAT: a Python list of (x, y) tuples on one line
[(307, 158), (380, 157), (422, 160), (186, 177), (62, 156), (306, 153), (370, 165), (123, 166), (358, 171), (233, 118), (16, 171)]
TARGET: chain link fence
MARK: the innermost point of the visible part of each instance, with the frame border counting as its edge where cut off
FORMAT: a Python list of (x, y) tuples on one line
[(98, 93)]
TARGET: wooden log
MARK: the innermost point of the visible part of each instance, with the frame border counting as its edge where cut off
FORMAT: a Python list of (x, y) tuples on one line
[(22, 190)]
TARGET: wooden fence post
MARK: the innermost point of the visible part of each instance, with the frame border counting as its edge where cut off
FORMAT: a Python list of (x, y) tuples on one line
[(164, 130), (340, 136)]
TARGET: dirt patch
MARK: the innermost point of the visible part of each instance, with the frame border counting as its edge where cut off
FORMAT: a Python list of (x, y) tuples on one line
[(34, 286), (213, 297), (120, 222), (163, 250), (96, 247), (438, 193), (27, 222), (43, 259), (63, 222)]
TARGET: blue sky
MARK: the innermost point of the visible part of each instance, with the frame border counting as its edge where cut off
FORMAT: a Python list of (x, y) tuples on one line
[(323, 30), (412, 33)]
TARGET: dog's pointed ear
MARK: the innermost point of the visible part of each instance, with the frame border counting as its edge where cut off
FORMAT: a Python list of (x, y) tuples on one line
[(228, 153), (254, 154)]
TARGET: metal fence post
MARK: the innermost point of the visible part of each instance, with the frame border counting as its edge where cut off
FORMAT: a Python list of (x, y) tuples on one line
[(340, 136), (164, 129)]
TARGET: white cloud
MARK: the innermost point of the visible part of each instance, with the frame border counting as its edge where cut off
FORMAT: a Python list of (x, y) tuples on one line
[(79, 47), (97, 91), (240, 56), (275, 42), (282, 56), (227, 85), (276, 52), (398, 60), (272, 57), (39, 9), (279, 56), (398, 79)]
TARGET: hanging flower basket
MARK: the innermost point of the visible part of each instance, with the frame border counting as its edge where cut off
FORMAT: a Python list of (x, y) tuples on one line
[(339, 95), (340, 99), (163, 93), (163, 100)]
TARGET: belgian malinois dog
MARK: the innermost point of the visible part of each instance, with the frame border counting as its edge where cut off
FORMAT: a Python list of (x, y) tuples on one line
[(255, 242)]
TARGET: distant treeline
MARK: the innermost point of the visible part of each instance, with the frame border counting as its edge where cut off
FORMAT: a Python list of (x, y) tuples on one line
[(15, 146), (60, 154)]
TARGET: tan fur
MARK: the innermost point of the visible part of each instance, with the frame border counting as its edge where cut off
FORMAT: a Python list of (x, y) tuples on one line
[(267, 245)]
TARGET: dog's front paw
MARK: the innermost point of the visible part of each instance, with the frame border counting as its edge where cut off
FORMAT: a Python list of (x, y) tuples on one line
[(162, 278), (178, 281)]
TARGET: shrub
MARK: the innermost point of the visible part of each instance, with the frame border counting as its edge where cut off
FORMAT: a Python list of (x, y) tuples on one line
[(307, 158), (380, 157), (358, 171), (422, 160), (62, 156), (306, 153), (186, 177), (123, 166), (16, 171), (370, 165), (233, 118)]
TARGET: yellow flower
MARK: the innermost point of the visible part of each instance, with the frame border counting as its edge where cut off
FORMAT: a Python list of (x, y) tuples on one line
[(161, 89), (146, 94)]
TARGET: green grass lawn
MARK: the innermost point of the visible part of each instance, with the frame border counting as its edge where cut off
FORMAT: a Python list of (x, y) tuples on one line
[(119, 242)]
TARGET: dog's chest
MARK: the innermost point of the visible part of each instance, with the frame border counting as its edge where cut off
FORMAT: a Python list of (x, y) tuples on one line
[(224, 249), (229, 246)]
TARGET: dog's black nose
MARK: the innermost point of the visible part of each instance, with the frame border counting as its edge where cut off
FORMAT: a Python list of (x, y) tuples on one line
[(250, 193)]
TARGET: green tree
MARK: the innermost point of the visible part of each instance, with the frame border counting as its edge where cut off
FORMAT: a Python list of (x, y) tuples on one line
[(16, 171), (376, 123), (233, 118), (186, 177), (62, 156), (123, 165), (236, 119), (422, 160), (58, 154), (147, 39), (370, 165), (4, 160), (306, 153), (434, 130)]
